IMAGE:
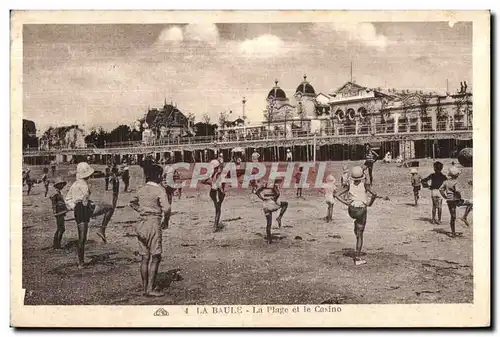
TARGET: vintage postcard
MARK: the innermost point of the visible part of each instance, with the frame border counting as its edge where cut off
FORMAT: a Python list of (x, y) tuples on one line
[(250, 169)]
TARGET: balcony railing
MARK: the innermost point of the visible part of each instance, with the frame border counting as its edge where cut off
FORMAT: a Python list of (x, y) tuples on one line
[(381, 129)]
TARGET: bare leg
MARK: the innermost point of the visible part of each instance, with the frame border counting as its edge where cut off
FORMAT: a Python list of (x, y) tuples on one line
[(144, 273), (468, 209), (434, 208), (284, 206), (359, 244), (153, 272), (218, 207), (107, 210), (453, 215), (269, 222), (59, 232), (82, 239), (440, 209), (330, 212)]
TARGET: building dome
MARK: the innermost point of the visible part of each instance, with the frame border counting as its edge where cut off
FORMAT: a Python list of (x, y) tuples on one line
[(305, 88), (276, 93)]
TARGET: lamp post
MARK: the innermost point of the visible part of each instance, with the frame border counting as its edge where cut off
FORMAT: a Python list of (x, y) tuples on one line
[(244, 118)]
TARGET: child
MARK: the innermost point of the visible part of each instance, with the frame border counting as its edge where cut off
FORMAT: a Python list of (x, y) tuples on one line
[(328, 191), (344, 178), (45, 180), (450, 190), (269, 194), (177, 179), (59, 209), (115, 185), (415, 182), (53, 167), (27, 179), (153, 207), (298, 177), (358, 206), (370, 158), (78, 200), (125, 176), (169, 173), (217, 191), (107, 176), (436, 180)]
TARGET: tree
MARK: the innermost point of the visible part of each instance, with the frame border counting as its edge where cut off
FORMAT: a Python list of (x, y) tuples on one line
[(223, 118), (29, 134), (98, 137), (205, 129), (122, 133)]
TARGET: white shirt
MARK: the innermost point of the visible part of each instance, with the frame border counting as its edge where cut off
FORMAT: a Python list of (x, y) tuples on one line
[(289, 155), (255, 156), (78, 191), (357, 192)]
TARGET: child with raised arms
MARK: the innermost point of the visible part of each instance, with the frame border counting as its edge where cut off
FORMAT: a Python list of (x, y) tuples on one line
[(358, 204)]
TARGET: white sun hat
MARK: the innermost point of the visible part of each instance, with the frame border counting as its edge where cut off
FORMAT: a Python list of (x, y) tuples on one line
[(83, 170)]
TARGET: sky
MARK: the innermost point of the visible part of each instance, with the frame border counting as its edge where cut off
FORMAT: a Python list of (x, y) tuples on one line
[(107, 75)]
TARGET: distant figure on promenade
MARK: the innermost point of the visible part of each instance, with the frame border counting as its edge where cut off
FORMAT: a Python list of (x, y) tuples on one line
[(288, 155), (388, 158), (255, 156)]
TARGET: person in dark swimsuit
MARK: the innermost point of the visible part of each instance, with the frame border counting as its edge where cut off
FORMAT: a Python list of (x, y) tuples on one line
[(370, 158), (269, 194), (217, 192)]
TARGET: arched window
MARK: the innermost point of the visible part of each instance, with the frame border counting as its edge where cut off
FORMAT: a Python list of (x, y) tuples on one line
[(362, 112), (340, 114)]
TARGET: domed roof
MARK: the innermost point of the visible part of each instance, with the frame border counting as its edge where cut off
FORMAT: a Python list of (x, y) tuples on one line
[(276, 92), (305, 88)]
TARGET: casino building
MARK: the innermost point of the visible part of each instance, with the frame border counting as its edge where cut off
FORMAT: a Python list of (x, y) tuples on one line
[(355, 110)]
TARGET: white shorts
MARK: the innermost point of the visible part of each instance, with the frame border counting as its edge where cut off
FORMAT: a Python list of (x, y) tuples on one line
[(270, 206)]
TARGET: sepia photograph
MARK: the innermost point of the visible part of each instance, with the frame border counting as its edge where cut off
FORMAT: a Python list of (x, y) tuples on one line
[(250, 165)]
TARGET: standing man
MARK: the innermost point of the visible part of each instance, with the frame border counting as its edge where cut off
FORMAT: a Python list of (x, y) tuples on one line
[(370, 158), (53, 167), (255, 156), (125, 175), (107, 176), (288, 155)]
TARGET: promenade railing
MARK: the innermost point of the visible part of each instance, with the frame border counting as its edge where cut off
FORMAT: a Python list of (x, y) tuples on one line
[(340, 131)]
